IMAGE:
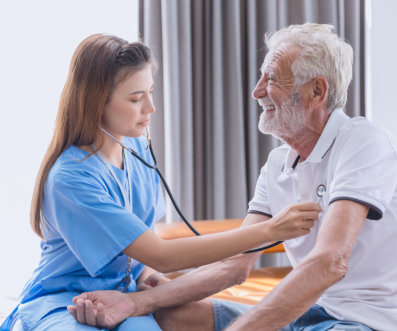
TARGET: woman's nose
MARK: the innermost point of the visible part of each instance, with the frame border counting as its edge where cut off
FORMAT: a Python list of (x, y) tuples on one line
[(149, 108)]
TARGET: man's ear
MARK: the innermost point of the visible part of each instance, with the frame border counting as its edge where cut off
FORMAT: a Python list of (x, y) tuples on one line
[(319, 92)]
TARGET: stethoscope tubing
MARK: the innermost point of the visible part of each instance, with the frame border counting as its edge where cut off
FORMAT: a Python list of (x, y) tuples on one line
[(154, 167)]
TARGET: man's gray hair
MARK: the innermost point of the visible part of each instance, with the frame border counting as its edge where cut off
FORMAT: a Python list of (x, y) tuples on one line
[(322, 53)]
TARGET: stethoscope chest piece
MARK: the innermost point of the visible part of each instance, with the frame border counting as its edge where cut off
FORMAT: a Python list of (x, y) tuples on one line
[(321, 189)]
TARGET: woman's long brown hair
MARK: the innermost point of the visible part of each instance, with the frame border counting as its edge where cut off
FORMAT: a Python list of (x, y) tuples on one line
[(99, 63)]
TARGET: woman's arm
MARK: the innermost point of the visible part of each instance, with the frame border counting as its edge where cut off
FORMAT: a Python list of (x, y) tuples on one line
[(183, 253), (109, 308)]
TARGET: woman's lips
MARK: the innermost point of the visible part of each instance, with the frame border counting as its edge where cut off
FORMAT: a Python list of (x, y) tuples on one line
[(144, 123)]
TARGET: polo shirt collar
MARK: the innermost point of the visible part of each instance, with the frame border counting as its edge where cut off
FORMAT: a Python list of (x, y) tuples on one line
[(324, 143)]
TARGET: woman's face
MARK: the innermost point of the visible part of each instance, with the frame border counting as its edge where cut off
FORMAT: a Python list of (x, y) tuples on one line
[(130, 106)]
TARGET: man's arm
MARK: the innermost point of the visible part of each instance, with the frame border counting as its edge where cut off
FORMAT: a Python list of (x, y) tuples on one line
[(108, 308), (191, 287), (325, 265), (202, 282)]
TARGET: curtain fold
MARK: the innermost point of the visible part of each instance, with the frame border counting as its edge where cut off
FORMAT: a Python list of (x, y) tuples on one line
[(209, 53)]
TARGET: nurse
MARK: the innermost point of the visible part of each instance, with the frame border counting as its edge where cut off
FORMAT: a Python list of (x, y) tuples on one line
[(94, 206)]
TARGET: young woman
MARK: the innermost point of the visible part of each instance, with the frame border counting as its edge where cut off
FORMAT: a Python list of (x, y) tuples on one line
[(94, 206)]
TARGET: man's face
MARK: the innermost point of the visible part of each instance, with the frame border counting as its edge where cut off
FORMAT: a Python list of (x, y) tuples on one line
[(283, 114)]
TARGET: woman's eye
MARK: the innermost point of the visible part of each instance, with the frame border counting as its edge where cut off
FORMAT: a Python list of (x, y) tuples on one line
[(136, 100)]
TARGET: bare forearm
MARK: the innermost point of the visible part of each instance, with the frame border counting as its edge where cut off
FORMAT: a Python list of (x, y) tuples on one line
[(326, 264), (183, 253), (190, 252), (291, 298), (197, 284), (203, 281)]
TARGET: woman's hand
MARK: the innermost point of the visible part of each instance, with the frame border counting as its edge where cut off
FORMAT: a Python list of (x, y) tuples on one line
[(153, 280), (295, 220), (105, 309)]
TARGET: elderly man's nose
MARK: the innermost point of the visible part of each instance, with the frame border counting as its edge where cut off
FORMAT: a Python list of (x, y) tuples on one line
[(259, 90)]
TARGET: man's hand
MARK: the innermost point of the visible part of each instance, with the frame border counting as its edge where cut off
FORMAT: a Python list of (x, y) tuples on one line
[(105, 309)]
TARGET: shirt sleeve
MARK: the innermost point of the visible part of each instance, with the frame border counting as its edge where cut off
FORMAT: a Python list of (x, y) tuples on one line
[(93, 225), (365, 170), (260, 202)]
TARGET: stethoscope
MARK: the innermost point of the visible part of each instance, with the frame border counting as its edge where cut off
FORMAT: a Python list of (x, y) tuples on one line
[(154, 167)]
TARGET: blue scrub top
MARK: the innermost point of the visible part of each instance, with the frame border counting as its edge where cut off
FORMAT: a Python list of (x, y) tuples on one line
[(87, 227)]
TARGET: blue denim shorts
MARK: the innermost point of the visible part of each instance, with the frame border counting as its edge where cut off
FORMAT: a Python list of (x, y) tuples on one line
[(315, 319), (226, 311)]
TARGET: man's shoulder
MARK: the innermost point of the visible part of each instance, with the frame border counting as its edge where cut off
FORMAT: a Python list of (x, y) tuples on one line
[(361, 131), (359, 124)]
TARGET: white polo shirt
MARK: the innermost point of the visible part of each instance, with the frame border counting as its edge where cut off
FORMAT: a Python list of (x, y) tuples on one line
[(353, 160)]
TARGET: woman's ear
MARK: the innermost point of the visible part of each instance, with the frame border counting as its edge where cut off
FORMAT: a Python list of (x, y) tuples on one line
[(319, 92)]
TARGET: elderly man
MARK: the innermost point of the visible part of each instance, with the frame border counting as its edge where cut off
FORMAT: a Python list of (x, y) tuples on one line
[(344, 274)]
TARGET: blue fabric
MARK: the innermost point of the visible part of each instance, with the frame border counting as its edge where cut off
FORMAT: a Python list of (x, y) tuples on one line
[(7, 323), (315, 319), (227, 311), (87, 228), (61, 320)]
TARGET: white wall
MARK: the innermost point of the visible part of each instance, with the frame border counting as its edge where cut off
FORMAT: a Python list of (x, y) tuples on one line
[(382, 50), (37, 40)]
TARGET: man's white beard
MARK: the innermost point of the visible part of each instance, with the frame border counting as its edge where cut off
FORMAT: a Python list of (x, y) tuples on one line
[(287, 121)]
